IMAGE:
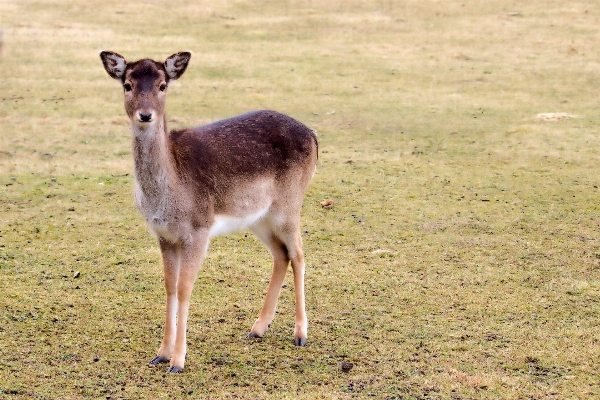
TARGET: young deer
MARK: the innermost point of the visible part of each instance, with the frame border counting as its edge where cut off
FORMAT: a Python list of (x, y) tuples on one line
[(249, 171)]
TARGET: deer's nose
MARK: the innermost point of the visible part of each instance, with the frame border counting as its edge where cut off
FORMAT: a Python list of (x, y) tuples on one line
[(145, 117)]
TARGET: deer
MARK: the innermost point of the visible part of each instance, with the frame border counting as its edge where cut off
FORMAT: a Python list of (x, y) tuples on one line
[(245, 172)]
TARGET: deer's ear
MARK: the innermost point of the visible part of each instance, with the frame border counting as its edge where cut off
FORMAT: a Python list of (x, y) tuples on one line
[(114, 64), (177, 63)]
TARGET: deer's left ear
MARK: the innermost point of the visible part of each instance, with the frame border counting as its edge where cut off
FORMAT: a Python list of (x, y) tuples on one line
[(177, 63), (114, 64)]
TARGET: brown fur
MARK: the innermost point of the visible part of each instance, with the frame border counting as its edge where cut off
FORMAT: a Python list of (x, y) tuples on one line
[(249, 171)]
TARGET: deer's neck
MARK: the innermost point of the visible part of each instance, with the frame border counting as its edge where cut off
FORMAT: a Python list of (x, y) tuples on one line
[(152, 159)]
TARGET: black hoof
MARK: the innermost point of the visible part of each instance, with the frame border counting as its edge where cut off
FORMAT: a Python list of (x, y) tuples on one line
[(174, 370), (159, 360), (253, 335), (300, 341)]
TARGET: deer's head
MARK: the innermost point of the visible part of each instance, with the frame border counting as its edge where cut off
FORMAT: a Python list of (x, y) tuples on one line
[(145, 83)]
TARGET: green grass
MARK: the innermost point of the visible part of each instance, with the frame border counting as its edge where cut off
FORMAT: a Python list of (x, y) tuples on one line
[(461, 258)]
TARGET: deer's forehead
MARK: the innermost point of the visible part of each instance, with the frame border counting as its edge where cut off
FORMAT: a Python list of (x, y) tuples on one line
[(146, 71)]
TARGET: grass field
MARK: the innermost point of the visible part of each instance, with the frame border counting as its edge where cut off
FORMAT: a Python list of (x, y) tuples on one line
[(461, 259)]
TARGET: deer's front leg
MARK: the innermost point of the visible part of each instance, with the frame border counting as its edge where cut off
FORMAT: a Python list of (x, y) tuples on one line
[(171, 257), (192, 254)]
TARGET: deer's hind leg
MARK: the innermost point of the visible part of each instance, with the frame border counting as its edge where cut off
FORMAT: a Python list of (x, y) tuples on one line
[(280, 265), (285, 245), (296, 255)]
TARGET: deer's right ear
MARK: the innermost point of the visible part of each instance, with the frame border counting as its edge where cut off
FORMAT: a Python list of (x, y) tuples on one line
[(114, 64), (177, 63)]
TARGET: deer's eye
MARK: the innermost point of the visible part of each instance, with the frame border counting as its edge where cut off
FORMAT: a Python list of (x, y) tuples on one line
[(163, 87), (127, 87)]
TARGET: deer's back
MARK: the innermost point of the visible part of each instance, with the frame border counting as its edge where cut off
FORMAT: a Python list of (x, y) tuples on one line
[(254, 144)]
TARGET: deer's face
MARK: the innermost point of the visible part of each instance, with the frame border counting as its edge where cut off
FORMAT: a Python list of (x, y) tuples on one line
[(145, 89), (145, 83)]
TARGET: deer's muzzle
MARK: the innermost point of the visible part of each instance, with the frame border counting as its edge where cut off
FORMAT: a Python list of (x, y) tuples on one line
[(145, 116)]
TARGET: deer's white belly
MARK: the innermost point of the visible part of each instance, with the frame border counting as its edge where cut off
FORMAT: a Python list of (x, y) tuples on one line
[(226, 224)]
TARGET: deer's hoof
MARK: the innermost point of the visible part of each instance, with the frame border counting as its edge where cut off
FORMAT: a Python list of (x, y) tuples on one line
[(159, 360), (300, 341), (253, 335), (174, 370)]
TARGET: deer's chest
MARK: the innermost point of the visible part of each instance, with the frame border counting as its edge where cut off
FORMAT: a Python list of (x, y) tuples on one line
[(164, 213)]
